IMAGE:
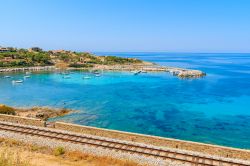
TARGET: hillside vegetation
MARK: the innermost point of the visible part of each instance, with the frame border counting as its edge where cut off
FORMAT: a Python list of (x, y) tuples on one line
[(37, 57)]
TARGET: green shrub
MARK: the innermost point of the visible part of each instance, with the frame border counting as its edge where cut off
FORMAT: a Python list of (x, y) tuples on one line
[(7, 110), (119, 60), (59, 151)]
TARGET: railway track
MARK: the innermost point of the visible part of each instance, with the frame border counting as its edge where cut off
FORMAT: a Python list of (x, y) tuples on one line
[(120, 146)]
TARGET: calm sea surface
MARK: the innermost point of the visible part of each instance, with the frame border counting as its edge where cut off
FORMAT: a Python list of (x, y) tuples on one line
[(214, 109)]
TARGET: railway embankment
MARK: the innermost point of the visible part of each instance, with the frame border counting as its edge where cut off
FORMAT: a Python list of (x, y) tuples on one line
[(158, 141), (96, 139)]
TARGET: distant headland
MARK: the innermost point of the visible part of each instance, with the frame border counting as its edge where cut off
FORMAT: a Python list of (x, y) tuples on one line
[(35, 58)]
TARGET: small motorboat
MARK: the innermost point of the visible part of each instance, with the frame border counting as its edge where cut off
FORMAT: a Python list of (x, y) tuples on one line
[(96, 72), (143, 71), (26, 77), (17, 81), (27, 72), (137, 72), (86, 77), (7, 76), (66, 77), (65, 73), (98, 75)]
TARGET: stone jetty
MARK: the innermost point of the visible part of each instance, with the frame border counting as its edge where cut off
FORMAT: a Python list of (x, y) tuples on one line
[(179, 72), (36, 68), (186, 73)]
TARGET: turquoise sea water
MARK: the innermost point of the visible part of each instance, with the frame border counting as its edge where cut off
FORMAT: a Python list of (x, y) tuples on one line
[(214, 109)]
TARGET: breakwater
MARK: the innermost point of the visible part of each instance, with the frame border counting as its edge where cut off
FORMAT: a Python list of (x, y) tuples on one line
[(36, 68), (186, 73), (179, 72), (139, 138)]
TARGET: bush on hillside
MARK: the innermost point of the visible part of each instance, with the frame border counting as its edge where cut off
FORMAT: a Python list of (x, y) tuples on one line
[(7, 110), (59, 151)]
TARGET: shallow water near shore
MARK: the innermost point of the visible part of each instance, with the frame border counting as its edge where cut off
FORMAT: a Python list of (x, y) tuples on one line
[(214, 109)]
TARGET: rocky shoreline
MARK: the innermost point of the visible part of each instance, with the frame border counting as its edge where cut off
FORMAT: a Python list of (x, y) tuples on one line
[(20, 69), (42, 113), (150, 67), (144, 67)]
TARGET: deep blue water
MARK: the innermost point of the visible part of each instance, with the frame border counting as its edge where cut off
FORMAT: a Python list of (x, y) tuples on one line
[(214, 109)]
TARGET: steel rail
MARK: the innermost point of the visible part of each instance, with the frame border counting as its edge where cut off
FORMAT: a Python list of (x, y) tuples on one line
[(119, 146)]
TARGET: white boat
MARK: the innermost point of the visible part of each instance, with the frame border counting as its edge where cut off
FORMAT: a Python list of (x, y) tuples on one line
[(26, 77), (17, 81), (137, 72), (143, 71), (66, 77), (65, 73), (7, 76), (27, 72), (86, 77), (98, 75), (96, 72)]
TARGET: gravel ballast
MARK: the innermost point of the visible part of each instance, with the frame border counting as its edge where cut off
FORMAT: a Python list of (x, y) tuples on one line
[(99, 151)]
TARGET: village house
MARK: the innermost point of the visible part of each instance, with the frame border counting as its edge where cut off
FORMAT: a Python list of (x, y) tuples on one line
[(4, 49), (35, 49)]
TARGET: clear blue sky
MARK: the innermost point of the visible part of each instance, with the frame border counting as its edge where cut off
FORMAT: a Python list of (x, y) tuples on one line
[(127, 25)]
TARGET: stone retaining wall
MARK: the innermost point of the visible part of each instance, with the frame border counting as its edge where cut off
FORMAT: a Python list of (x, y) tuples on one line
[(22, 120), (158, 141)]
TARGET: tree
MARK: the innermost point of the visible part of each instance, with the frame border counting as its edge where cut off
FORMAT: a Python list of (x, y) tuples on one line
[(64, 57), (36, 49), (22, 50)]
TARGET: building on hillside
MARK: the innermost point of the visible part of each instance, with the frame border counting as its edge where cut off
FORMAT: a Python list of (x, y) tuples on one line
[(4, 49), (58, 51), (35, 49)]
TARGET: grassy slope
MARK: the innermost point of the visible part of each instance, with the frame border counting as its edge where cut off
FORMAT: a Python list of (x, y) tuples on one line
[(14, 153)]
